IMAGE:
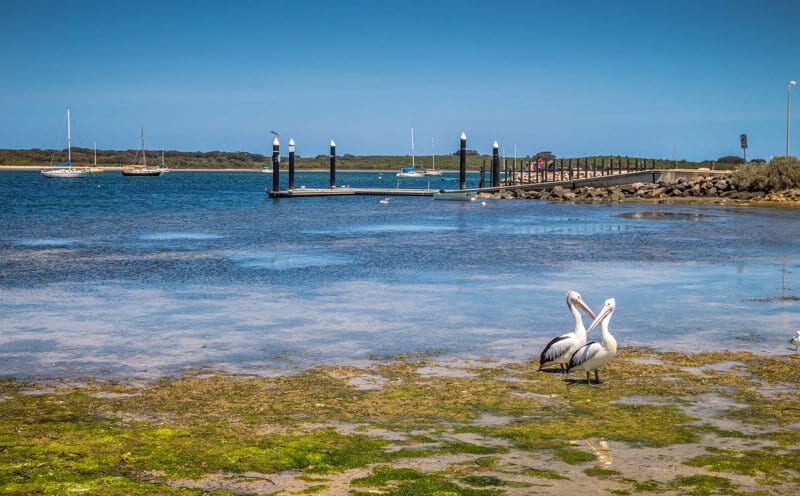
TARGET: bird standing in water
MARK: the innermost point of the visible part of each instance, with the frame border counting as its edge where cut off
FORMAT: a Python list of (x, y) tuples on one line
[(560, 349), (795, 340), (594, 355)]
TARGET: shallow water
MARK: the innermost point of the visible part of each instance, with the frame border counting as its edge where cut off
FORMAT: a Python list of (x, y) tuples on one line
[(115, 276)]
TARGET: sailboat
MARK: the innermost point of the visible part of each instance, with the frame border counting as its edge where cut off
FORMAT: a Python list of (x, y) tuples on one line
[(163, 166), (432, 171), (95, 168), (141, 170), (409, 171), (65, 170)]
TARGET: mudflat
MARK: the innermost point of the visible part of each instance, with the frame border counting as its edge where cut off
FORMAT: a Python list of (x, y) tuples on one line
[(659, 423)]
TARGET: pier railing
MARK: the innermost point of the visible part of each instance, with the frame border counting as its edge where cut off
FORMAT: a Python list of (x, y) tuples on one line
[(558, 170)]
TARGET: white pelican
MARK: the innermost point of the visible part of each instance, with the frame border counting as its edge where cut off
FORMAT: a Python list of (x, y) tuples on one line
[(385, 201), (594, 355), (795, 340), (560, 349)]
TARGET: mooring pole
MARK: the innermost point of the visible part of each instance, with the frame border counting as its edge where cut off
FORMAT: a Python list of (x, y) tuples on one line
[(333, 164), (462, 163), (291, 163), (276, 164), (495, 165)]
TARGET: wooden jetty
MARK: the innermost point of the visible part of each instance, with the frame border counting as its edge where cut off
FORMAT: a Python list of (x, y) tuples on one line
[(311, 192), (544, 175)]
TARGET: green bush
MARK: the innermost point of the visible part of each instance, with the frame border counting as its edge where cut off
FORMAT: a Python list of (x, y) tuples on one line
[(780, 174)]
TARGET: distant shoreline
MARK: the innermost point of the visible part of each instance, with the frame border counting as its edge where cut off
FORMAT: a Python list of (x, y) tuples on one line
[(116, 168)]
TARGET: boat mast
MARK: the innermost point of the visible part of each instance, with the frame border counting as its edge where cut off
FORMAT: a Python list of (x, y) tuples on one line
[(433, 153), (144, 159), (69, 142), (95, 153), (412, 147)]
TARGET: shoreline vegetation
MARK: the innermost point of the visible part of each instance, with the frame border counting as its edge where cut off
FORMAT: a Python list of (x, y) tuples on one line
[(219, 160), (660, 423)]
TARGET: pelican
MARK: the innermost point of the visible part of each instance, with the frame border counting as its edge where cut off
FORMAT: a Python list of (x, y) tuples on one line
[(385, 201), (593, 355), (560, 349), (795, 340)]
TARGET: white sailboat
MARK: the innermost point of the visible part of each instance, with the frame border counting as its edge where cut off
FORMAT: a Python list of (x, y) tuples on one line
[(94, 168), (410, 171), (141, 170), (65, 170), (432, 171)]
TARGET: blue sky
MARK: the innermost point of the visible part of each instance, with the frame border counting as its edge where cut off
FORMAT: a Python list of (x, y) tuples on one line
[(638, 78)]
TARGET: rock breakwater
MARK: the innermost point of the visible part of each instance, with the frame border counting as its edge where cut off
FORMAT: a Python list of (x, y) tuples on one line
[(713, 189)]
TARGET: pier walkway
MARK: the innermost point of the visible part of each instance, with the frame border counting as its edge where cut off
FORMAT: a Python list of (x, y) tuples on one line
[(649, 176)]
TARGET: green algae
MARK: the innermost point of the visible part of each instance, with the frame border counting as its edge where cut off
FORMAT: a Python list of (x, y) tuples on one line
[(770, 467), (116, 438)]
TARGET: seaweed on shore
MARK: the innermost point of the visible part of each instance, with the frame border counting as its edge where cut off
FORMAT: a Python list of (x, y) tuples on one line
[(727, 420)]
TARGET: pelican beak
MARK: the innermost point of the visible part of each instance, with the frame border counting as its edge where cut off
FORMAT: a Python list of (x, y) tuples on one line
[(602, 315), (583, 306)]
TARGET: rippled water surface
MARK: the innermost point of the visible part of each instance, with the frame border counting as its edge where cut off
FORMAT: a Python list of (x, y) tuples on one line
[(115, 276)]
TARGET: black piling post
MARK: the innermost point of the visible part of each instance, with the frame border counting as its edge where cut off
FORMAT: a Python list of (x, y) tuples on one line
[(276, 165), (482, 183), (291, 164), (462, 163), (495, 165), (333, 164)]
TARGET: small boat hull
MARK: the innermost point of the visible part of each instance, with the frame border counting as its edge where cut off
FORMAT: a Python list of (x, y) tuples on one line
[(64, 173), (141, 172)]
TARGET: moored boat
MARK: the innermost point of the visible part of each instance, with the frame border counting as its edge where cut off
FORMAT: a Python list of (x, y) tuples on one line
[(410, 171), (65, 170), (143, 169)]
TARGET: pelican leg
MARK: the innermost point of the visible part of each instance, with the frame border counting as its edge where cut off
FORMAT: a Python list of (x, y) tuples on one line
[(596, 377), (588, 378)]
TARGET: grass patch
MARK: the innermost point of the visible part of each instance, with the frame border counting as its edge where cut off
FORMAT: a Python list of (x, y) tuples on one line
[(573, 456), (704, 485), (770, 466), (604, 473)]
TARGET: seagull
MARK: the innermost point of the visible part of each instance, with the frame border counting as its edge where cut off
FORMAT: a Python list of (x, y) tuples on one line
[(385, 201), (560, 349), (795, 340), (593, 355)]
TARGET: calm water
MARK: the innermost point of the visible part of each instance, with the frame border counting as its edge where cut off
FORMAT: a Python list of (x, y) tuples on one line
[(115, 276)]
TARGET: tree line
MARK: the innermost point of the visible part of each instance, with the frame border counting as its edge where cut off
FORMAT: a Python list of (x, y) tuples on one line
[(244, 160)]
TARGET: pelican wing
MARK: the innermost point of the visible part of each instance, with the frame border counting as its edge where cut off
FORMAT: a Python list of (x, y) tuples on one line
[(556, 348), (584, 354)]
